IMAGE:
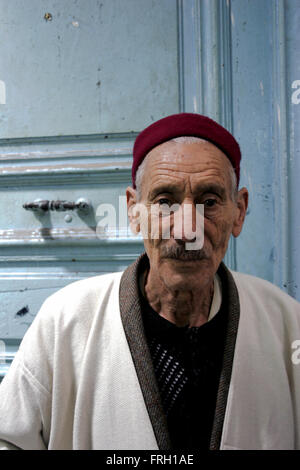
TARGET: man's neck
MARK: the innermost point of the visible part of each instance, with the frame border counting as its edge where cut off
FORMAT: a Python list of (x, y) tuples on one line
[(179, 306)]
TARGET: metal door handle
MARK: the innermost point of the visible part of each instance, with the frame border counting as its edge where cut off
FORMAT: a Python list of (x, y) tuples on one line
[(40, 205)]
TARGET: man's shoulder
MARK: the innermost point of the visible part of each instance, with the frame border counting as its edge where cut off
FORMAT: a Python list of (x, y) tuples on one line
[(250, 281), (82, 298), (70, 311), (89, 286), (263, 291)]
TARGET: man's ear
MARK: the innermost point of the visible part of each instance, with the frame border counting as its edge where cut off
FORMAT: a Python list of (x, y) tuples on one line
[(241, 209), (133, 217)]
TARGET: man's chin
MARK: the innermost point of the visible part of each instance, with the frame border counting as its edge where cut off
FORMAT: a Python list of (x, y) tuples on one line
[(190, 268), (181, 275)]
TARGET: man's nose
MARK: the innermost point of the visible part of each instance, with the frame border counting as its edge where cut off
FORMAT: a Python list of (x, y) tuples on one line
[(188, 222)]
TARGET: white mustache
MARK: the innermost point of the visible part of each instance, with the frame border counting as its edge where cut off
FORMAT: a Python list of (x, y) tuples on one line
[(179, 252)]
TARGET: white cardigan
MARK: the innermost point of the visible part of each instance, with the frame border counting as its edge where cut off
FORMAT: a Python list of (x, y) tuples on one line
[(73, 384)]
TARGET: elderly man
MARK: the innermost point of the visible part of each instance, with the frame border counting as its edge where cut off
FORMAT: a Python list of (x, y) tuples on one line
[(177, 352)]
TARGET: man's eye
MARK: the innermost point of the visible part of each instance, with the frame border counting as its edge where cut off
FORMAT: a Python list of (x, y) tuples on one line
[(163, 200), (210, 203)]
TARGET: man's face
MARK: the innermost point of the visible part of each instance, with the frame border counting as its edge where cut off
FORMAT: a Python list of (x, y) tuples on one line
[(190, 174)]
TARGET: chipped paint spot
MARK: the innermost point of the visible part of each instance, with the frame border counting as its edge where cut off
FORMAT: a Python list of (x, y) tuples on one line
[(68, 218), (89, 166), (23, 311), (232, 19), (2, 92), (278, 114), (48, 17), (195, 104), (18, 236), (261, 86)]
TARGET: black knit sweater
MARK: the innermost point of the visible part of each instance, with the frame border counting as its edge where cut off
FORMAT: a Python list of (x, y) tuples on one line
[(187, 363)]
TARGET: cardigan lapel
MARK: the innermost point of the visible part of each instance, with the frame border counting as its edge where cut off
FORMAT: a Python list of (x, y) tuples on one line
[(131, 316), (230, 292)]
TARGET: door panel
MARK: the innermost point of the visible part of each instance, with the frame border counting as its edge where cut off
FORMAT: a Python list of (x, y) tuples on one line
[(92, 67)]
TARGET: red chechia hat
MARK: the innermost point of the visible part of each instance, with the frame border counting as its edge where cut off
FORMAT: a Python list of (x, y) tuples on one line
[(186, 124)]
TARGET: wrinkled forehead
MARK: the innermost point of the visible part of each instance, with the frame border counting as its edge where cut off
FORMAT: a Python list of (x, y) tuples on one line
[(187, 152), (186, 159)]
